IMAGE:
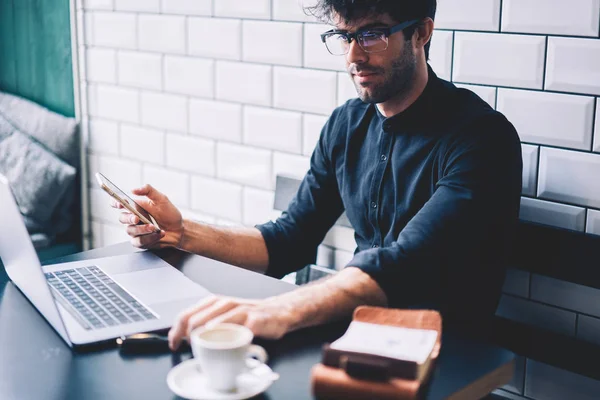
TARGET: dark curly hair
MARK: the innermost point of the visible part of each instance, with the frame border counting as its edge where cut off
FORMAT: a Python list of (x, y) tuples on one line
[(352, 10)]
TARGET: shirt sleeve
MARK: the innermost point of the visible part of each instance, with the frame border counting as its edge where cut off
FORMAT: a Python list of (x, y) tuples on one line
[(292, 240), (462, 229)]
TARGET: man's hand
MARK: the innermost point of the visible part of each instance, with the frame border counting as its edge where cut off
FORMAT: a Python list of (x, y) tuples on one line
[(164, 212), (323, 301), (265, 318)]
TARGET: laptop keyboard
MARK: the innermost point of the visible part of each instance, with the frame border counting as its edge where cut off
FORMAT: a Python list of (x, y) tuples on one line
[(94, 299)]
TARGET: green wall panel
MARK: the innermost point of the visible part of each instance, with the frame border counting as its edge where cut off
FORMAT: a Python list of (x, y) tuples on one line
[(35, 52)]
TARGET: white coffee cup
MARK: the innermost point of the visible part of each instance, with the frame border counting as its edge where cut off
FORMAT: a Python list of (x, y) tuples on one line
[(223, 351)]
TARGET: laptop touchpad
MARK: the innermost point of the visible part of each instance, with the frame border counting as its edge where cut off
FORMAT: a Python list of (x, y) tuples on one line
[(159, 285)]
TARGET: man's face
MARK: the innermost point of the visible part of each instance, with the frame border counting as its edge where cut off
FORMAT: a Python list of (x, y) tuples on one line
[(380, 76)]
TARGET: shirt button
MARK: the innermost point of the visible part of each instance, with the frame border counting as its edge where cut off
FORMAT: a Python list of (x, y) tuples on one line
[(373, 204), (383, 157)]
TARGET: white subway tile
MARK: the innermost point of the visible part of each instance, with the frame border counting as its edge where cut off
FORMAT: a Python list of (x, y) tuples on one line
[(554, 214), (499, 59), (273, 129), (290, 165), (316, 54), (114, 30), (345, 88), (82, 57), (570, 177), (588, 329), (258, 206), (126, 174), (341, 259), (340, 237), (187, 7), (98, 4), (305, 90), (530, 168), (104, 136), (311, 128), (244, 165), (164, 33), (137, 5), (573, 65), (543, 316), (89, 29), (117, 103), (516, 282), (167, 111), (547, 382), (216, 197), (175, 185), (593, 222), (143, 70), (142, 144), (215, 37), (325, 256), (549, 118), (475, 15), (597, 130), (580, 298), (440, 53), (487, 93), (244, 83), (113, 234), (101, 65), (92, 99), (191, 154), (85, 95), (93, 167), (555, 17), (272, 42), (80, 34), (187, 75), (291, 10), (100, 206), (243, 9), (216, 120)]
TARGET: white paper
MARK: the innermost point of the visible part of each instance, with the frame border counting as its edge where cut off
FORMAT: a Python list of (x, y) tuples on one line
[(387, 341)]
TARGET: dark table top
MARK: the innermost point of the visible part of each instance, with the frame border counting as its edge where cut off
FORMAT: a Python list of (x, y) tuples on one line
[(36, 364)]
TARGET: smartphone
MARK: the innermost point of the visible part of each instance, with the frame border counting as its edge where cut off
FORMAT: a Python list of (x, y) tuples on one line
[(126, 201)]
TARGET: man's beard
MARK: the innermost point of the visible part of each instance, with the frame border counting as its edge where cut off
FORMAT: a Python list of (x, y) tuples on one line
[(397, 81)]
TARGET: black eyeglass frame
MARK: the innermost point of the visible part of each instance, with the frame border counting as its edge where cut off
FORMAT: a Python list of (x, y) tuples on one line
[(387, 32)]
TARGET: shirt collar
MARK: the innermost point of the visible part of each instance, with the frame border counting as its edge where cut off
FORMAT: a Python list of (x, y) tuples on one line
[(418, 112)]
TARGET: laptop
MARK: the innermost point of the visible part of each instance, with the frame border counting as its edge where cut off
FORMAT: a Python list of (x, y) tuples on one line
[(96, 300)]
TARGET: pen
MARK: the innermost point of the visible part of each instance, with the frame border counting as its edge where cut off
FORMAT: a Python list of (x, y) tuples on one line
[(146, 343)]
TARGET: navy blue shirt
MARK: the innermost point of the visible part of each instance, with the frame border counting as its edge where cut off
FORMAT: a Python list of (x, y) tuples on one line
[(432, 193)]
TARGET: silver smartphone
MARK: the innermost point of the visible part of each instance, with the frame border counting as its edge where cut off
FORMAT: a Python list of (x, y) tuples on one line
[(126, 201)]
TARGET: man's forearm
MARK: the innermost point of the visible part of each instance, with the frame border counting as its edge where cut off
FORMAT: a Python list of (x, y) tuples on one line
[(330, 299), (241, 246)]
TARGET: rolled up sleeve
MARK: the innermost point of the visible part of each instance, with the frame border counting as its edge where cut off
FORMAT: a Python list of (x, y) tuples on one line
[(292, 239)]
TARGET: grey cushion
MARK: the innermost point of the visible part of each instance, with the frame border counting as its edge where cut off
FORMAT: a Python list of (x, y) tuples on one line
[(37, 177), (56, 132)]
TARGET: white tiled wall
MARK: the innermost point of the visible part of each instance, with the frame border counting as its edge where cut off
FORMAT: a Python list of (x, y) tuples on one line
[(210, 99)]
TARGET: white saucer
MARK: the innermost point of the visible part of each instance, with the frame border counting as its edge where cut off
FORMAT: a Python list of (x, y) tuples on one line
[(187, 380)]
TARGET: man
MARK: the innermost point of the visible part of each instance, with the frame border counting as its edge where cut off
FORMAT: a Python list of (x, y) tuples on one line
[(429, 176)]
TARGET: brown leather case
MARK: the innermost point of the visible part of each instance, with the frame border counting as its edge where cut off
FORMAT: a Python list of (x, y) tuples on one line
[(335, 383)]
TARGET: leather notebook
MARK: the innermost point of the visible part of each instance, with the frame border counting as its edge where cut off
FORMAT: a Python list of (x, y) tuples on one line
[(355, 376)]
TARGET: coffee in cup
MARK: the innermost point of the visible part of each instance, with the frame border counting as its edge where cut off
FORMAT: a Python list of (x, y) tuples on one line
[(223, 351)]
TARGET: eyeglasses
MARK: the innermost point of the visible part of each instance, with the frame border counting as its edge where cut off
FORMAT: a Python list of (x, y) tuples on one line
[(371, 40)]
